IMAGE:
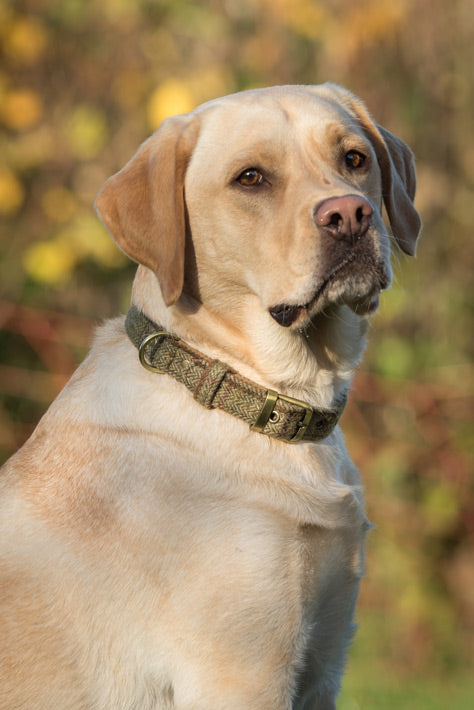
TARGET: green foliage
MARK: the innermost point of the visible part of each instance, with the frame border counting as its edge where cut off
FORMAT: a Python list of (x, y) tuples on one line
[(83, 83)]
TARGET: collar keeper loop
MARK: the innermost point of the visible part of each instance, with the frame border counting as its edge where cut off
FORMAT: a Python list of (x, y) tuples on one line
[(210, 382)]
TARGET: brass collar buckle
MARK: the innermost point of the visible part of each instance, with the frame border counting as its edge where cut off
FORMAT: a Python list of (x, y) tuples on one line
[(268, 410), (159, 336)]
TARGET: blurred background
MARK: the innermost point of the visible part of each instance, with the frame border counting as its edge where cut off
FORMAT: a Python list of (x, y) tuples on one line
[(83, 83)]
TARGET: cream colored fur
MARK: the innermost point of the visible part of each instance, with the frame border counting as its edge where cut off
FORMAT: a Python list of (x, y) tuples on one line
[(157, 555)]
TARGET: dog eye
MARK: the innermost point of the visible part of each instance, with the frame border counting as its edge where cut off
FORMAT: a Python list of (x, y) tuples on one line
[(355, 160), (250, 178)]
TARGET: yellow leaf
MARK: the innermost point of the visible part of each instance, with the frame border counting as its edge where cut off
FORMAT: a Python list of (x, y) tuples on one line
[(11, 192), (22, 109), (90, 240), (172, 97), (26, 40), (86, 131), (50, 262)]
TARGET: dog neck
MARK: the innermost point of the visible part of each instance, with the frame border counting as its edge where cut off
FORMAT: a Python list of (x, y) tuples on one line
[(315, 364)]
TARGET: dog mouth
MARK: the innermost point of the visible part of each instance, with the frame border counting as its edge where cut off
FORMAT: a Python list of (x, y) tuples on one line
[(357, 288)]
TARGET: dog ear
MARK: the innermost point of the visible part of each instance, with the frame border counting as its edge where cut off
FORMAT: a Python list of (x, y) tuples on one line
[(142, 206), (397, 167)]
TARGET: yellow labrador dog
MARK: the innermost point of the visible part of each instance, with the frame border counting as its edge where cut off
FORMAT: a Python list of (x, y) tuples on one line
[(184, 529)]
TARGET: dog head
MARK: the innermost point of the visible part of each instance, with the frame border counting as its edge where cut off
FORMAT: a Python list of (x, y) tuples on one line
[(269, 196)]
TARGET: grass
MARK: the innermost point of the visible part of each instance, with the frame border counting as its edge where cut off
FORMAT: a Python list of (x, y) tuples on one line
[(425, 693), (371, 683)]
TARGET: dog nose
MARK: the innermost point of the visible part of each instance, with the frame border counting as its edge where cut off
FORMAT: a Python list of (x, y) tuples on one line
[(346, 217)]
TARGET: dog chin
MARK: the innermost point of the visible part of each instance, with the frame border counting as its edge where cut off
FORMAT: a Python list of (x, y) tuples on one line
[(360, 292), (366, 306)]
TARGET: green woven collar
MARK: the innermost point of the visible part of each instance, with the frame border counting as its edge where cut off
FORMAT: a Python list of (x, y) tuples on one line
[(216, 386)]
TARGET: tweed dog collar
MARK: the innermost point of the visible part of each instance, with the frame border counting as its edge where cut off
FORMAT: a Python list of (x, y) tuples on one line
[(216, 386)]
